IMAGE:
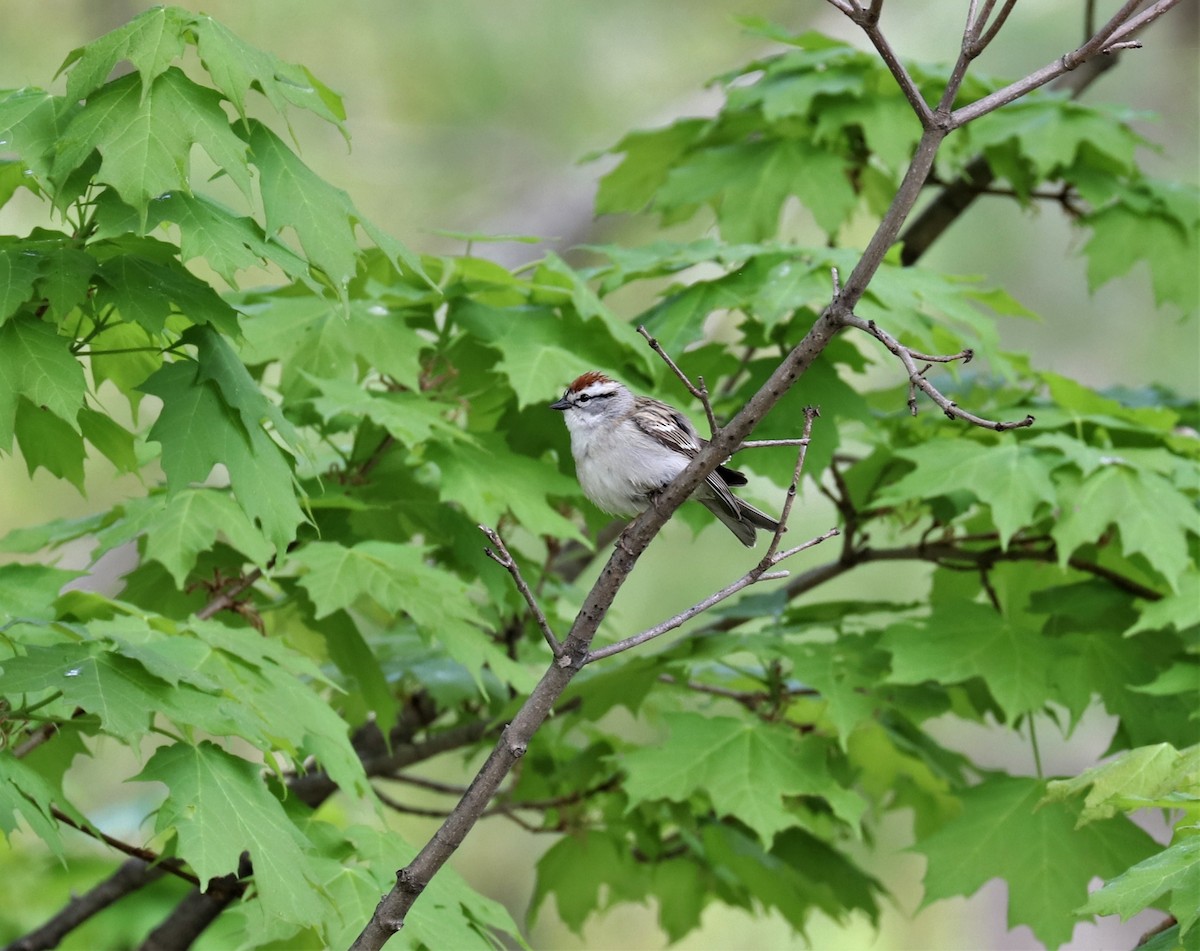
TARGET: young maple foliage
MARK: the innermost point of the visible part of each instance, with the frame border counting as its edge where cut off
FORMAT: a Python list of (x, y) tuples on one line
[(312, 624)]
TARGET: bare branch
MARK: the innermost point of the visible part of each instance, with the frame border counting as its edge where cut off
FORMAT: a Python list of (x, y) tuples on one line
[(501, 556), (749, 578), (810, 415), (868, 20), (227, 598), (699, 392), (917, 379), (764, 443), (174, 866), (128, 878), (985, 37), (406, 809), (1116, 31)]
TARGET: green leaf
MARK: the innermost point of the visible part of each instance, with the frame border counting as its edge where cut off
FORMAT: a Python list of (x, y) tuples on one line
[(64, 277), (18, 272), (147, 285), (28, 591), (844, 673), (48, 442), (220, 365), (577, 897), (541, 352), (1010, 478), (1122, 236), (121, 692), (410, 417), (1180, 610), (111, 438), (649, 157), (1046, 861), (748, 183), (35, 362), (198, 430), (294, 197), (150, 41), (219, 807), (145, 139), (189, 522), (1149, 773), (1171, 871), (799, 873), (227, 242), (961, 640), (1152, 515), (33, 123), (398, 579), (488, 479), (745, 769), (25, 794), (237, 67)]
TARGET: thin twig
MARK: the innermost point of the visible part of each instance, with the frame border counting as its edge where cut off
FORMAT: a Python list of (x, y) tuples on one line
[(1117, 30), (227, 598), (700, 392), (762, 443), (448, 789), (917, 379), (868, 20), (506, 561), (752, 576), (810, 416), (173, 866), (408, 810), (997, 24)]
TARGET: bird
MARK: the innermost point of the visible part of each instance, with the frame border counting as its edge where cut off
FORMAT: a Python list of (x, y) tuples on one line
[(627, 449)]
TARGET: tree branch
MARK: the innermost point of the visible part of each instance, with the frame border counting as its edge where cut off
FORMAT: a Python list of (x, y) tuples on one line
[(128, 878), (917, 379), (699, 392), (174, 866), (1116, 31), (501, 556), (868, 20)]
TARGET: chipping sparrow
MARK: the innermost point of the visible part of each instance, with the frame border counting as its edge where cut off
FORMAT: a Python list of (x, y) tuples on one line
[(627, 448)]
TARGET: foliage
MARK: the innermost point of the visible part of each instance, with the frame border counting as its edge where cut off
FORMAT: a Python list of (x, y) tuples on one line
[(312, 607)]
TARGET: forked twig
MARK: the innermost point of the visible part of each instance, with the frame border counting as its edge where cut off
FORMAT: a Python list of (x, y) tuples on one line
[(917, 381), (500, 555)]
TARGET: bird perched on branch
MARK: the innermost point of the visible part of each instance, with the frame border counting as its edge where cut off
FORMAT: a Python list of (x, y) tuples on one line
[(627, 449)]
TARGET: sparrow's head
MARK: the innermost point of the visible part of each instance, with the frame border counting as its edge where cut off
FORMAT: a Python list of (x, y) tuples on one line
[(593, 396)]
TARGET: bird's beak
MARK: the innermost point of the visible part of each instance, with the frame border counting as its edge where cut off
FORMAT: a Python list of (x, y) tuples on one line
[(560, 404)]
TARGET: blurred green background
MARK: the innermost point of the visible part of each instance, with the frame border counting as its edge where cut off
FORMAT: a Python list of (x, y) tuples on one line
[(474, 117)]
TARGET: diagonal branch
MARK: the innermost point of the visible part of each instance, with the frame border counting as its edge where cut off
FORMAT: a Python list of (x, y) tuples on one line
[(699, 392), (128, 878), (868, 20)]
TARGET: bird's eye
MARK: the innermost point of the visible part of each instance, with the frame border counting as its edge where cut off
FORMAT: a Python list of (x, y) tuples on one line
[(582, 398)]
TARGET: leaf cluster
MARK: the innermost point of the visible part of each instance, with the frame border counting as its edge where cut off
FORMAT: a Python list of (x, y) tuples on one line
[(312, 617)]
